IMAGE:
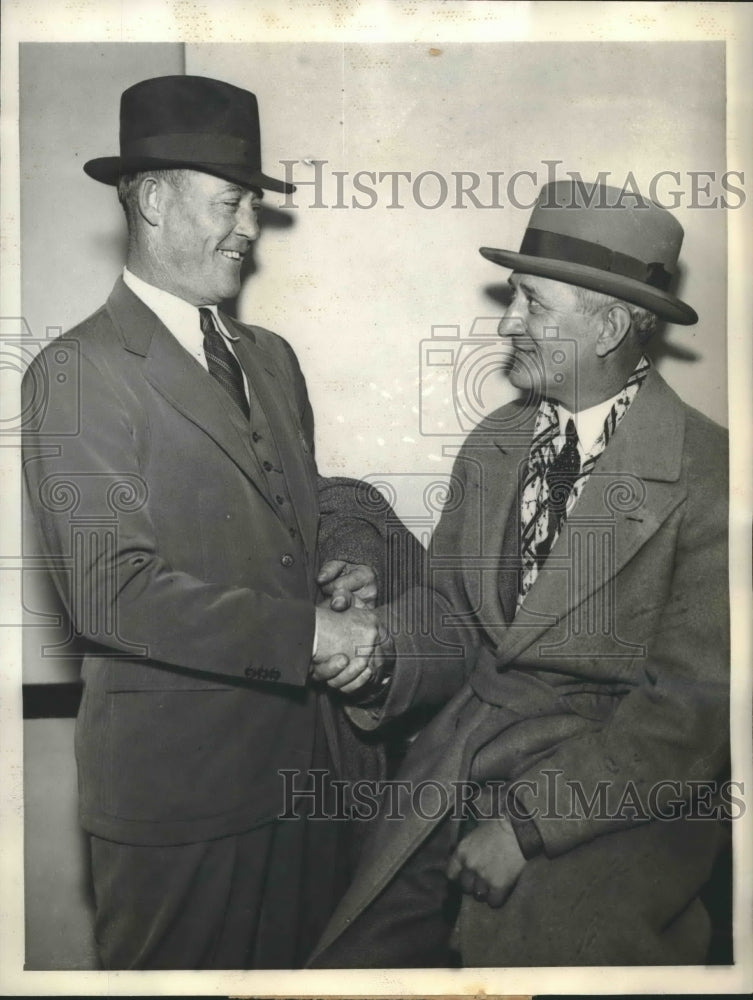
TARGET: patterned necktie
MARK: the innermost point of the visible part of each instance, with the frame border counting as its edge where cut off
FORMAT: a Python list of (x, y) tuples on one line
[(553, 483), (222, 363), (561, 476)]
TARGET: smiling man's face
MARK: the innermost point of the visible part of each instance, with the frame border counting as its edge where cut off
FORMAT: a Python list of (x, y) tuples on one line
[(207, 226)]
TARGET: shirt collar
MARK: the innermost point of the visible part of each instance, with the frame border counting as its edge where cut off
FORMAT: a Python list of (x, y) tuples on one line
[(180, 317), (589, 423)]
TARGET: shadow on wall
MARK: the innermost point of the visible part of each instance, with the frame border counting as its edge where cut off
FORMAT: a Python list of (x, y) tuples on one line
[(109, 246), (269, 218)]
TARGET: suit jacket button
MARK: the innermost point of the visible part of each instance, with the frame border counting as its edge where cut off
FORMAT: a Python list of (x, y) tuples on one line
[(287, 559)]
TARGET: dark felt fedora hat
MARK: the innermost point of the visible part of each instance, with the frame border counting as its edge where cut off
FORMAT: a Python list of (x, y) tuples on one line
[(605, 239), (188, 121)]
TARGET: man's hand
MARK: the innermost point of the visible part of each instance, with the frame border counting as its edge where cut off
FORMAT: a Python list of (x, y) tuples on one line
[(348, 584), (488, 861), (347, 647)]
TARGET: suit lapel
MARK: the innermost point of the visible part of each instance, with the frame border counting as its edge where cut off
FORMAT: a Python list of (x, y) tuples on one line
[(633, 489), (183, 382)]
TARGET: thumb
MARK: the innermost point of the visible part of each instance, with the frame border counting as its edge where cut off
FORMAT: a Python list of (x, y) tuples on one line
[(341, 601)]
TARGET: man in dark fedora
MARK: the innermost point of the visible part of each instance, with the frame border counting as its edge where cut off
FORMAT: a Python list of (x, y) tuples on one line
[(175, 490), (563, 806)]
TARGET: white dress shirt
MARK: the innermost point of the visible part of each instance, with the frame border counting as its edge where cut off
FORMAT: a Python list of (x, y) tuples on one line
[(589, 424)]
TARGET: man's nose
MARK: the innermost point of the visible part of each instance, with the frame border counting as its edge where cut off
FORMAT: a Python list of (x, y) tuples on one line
[(511, 323), (247, 222)]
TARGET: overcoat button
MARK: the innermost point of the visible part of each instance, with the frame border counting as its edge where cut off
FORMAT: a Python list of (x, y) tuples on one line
[(287, 559)]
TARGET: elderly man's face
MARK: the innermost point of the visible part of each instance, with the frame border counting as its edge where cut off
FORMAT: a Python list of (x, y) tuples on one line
[(552, 339), (208, 225)]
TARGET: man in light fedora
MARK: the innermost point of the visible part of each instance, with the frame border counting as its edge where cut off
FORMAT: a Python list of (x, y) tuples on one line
[(175, 490), (562, 807)]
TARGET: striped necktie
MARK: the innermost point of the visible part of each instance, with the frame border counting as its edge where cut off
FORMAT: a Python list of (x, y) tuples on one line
[(222, 363)]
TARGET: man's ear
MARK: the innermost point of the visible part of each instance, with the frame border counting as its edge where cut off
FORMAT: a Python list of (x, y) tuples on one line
[(616, 325), (151, 200)]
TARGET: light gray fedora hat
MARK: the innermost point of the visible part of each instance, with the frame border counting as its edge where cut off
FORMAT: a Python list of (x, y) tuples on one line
[(606, 239)]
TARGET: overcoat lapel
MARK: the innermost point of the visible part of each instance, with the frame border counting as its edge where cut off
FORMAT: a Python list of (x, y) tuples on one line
[(506, 535), (633, 489), (489, 541)]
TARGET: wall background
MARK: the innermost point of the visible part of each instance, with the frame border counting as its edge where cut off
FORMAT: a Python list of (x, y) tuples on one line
[(356, 292)]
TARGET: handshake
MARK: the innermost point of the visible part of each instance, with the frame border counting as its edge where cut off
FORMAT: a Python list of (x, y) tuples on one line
[(352, 646)]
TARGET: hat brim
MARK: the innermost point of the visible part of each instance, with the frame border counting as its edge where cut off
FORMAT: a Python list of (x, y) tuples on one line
[(666, 306), (109, 169)]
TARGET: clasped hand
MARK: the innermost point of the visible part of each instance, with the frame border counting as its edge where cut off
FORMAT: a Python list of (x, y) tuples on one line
[(349, 637)]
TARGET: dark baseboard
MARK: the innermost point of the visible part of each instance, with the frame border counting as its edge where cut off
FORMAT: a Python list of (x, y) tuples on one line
[(51, 701)]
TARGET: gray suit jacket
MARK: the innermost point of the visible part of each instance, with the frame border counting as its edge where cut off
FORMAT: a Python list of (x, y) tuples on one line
[(190, 584)]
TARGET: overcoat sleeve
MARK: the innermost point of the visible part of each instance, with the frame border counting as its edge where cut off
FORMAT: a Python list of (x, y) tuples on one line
[(430, 620)]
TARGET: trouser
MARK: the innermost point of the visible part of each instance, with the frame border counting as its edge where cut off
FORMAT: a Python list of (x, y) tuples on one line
[(409, 924), (258, 900)]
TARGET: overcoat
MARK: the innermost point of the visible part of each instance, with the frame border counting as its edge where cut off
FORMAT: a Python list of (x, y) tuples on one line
[(598, 704), (187, 571)]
